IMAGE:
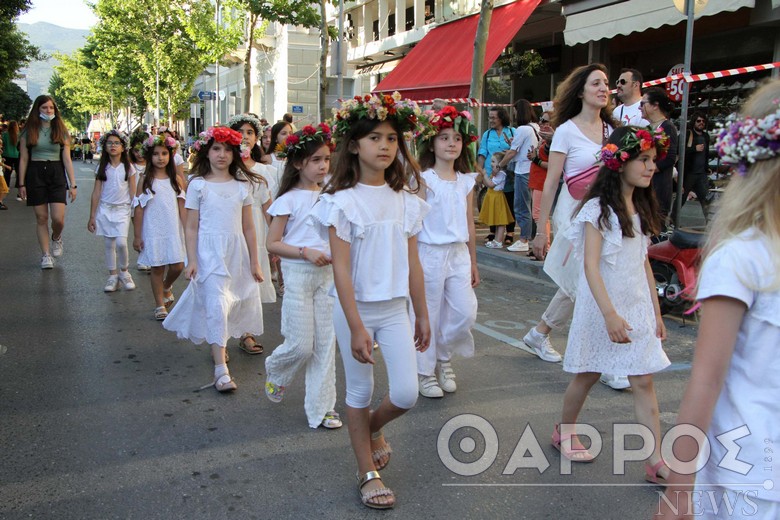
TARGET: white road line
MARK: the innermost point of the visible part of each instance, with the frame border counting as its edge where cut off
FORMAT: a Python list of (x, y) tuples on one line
[(503, 338)]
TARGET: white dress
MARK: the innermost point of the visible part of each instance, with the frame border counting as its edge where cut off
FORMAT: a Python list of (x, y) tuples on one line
[(112, 218), (162, 231), (261, 194), (622, 268), (223, 300)]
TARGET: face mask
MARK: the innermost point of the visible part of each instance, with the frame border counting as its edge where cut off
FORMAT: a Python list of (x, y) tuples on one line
[(47, 117)]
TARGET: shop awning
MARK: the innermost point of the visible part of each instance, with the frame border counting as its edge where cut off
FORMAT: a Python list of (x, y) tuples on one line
[(635, 16), (377, 68), (440, 64)]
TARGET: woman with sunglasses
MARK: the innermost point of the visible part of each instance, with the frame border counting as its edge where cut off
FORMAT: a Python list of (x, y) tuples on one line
[(656, 108)]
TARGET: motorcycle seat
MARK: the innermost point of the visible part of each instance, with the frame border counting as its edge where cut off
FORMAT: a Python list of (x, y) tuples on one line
[(688, 239)]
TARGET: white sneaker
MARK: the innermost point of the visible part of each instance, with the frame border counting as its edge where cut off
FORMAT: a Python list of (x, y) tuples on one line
[(112, 283), (127, 280), (56, 248), (144, 267), (446, 376), (518, 247), (429, 387), (615, 382), (540, 343), (494, 245), (47, 262)]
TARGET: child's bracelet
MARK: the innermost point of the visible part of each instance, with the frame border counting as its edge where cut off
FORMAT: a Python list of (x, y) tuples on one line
[(541, 234), (300, 251)]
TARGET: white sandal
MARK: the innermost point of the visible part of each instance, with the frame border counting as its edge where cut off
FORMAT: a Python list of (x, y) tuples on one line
[(223, 384), (378, 454), (332, 420), (370, 495)]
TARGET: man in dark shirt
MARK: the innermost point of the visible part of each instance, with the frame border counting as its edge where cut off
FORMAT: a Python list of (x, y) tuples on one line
[(697, 147)]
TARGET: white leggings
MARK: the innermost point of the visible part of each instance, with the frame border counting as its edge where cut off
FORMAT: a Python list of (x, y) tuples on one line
[(307, 326), (388, 323), (116, 248)]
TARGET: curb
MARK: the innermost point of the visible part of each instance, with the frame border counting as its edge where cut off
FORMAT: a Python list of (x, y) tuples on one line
[(516, 262)]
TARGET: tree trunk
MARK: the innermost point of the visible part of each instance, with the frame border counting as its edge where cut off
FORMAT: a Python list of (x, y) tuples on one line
[(248, 63), (480, 45), (324, 39)]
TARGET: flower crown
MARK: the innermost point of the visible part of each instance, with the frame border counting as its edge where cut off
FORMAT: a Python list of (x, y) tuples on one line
[(746, 140), (220, 134), (297, 141), (159, 140), (380, 107), (115, 133), (635, 141), (448, 117), (239, 119)]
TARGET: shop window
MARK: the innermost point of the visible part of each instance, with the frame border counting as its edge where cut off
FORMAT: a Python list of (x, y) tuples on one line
[(409, 18), (391, 25), (430, 11), (375, 30)]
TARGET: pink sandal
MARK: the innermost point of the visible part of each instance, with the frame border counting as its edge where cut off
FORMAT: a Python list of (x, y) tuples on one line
[(652, 475), (574, 455)]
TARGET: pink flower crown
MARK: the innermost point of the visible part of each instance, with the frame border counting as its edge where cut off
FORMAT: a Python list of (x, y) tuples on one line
[(635, 141), (159, 140), (297, 141), (745, 141), (220, 134), (448, 117)]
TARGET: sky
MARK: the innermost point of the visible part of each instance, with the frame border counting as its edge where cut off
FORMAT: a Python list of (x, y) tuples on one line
[(74, 14)]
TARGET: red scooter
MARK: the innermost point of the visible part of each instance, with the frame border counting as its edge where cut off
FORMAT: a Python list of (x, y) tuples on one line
[(675, 265)]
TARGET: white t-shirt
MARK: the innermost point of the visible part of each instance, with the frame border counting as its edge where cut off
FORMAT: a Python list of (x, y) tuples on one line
[(743, 269), (630, 115), (580, 151), (377, 222), (499, 179), (525, 138), (116, 190), (297, 205), (178, 159), (447, 221)]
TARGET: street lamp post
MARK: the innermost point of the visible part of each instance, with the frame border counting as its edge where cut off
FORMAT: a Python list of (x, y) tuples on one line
[(691, 7)]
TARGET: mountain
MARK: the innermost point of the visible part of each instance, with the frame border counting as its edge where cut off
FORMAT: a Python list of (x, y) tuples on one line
[(50, 38)]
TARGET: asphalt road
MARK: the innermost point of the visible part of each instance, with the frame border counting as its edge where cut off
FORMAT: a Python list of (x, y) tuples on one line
[(99, 417)]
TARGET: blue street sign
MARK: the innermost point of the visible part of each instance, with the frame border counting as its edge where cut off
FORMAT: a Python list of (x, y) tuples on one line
[(206, 95), (297, 109)]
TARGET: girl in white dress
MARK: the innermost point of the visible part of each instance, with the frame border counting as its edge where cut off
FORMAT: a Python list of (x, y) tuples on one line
[(109, 214), (734, 390), (252, 154), (617, 325), (371, 218), (159, 215), (447, 248), (307, 308), (136, 154), (223, 297)]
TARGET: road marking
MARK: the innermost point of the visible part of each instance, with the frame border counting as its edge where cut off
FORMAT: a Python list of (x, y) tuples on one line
[(503, 338)]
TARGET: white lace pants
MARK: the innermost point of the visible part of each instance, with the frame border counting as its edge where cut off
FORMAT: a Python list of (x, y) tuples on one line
[(307, 326), (452, 304)]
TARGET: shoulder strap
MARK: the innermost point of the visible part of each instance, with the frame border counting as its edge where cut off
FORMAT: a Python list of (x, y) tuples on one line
[(605, 129)]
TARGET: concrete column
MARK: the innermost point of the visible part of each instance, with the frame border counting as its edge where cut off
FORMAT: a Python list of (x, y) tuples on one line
[(280, 74), (400, 16), (438, 7), (368, 31), (383, 14), (419, 13)]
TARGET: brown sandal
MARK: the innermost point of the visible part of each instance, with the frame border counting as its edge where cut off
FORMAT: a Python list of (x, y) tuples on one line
[(252, 348)]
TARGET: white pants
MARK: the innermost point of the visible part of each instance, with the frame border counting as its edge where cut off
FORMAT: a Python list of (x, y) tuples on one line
[(116, 251), (388, 323), (307, 326), (452, 304)]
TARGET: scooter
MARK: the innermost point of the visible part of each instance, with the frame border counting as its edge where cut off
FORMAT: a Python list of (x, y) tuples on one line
[(675, 265)]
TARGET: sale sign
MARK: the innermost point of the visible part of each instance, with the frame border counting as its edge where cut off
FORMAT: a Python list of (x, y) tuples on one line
[(674, 89)]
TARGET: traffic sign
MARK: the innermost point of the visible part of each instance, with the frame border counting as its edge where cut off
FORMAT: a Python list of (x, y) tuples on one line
[(674, 89), (297, 109), (206, 95)]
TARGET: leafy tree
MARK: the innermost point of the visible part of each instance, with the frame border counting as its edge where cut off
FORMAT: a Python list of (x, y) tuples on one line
[(83, 88), (480, 46), (14, 101), (16, 51), (74, 118)]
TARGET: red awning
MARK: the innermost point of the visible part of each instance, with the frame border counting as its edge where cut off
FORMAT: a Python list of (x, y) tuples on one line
[(440, 64)]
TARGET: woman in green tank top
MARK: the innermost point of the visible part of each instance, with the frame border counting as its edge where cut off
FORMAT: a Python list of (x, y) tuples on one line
[(46, 174)]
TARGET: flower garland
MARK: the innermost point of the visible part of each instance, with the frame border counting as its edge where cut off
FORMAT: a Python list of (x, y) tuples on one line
[(239, 119), (159, 140), (448, 117), (635, 141), (220, 134), (115, 133), (745, 141), (297, 141), (380, 107)]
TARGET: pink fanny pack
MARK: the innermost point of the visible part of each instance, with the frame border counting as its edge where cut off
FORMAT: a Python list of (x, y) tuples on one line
[(578, 184)]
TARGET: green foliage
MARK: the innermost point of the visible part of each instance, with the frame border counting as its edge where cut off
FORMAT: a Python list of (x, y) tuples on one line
[(14, 102), (16, 51), (214, 40), (84, 89), (526, 64), (293, 12), (10, 9), (74, 119)]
